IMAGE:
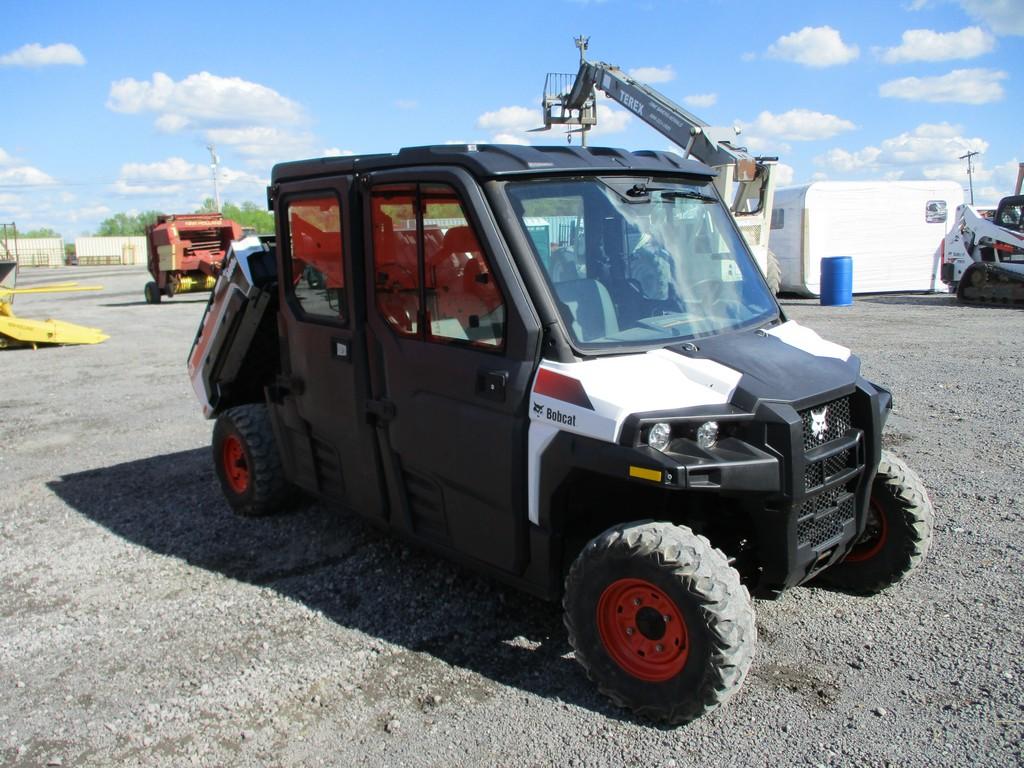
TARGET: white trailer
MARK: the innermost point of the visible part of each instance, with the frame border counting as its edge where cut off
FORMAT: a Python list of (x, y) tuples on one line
[(891, 229)]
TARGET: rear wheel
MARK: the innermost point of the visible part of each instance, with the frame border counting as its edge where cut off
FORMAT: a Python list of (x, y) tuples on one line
[(152, 293), (896, 537), (659, 620), (247, 461)]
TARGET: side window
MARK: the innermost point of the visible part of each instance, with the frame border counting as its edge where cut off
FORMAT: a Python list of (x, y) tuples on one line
[(464, 302), (424, 231), (315, 251), (935, 212), (395, 267)]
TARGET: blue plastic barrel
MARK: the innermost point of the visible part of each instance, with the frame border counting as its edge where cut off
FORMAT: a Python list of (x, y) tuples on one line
[(836, 281)]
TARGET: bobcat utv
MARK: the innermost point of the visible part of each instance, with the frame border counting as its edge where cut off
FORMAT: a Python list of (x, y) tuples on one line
[(560, 366)]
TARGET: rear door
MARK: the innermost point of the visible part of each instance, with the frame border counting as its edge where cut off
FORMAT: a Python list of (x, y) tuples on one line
[(454, 345), (330, 446)]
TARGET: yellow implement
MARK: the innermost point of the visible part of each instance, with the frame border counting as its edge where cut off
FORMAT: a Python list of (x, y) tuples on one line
[(19, 332)]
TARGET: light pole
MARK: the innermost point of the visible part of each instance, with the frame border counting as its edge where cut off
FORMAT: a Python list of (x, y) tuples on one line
[(214, 162)]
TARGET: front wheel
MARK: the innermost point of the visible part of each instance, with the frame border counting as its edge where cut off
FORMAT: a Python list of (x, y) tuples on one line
[(896, 537), (659, 620), (152, 293), (247, 461)]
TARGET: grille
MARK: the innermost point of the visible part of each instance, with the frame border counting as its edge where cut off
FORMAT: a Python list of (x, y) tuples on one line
[(836, 418), (823, 517), (817, 473)]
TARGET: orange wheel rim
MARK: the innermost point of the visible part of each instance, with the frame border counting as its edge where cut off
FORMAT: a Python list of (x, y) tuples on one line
[(643, 630), (876, 532), (236, 468)]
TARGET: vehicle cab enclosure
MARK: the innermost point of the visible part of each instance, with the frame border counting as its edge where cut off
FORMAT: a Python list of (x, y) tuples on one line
[(501, 351)]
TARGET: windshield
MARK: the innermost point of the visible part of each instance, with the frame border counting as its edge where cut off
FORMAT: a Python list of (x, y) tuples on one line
[(638, 261)]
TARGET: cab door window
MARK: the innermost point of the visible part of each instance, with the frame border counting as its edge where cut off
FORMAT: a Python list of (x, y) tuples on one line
[(433, 279), (316, 258)]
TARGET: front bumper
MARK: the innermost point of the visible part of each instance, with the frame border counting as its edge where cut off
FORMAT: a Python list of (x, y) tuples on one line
[(806, 494)]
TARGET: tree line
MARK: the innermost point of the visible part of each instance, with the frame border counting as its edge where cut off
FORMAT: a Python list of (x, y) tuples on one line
[(246, 215)]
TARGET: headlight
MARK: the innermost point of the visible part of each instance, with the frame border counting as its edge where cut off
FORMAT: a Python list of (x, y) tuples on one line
[(707, 434), (659, 436)]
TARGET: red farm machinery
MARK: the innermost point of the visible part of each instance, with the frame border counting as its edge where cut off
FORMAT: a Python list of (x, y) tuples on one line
[(185, 252)]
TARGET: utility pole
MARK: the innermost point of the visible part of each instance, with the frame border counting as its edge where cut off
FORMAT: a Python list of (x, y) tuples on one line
[(214, 162), (970, 171)]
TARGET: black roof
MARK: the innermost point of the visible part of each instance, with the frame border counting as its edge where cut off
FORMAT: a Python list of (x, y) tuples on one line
[(499, 160)]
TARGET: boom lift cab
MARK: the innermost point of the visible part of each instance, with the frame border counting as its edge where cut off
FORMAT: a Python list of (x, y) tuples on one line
[(562, 367)]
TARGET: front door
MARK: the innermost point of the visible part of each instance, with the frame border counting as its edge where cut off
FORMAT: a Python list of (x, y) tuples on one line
[(454, 345), (331, 447)]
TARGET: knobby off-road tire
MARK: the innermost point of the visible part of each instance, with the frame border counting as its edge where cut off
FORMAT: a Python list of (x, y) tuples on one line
[(659, 620), (247, 461), (897, 537)]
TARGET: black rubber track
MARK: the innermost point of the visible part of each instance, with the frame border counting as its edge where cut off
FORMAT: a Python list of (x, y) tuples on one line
[(268, 490), (707, 590), (910, 519), (990, 284)]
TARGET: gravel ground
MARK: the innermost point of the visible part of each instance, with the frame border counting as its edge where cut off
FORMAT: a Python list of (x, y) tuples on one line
[(142, 624)]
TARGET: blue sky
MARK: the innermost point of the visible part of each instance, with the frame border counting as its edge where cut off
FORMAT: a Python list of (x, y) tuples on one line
[(111, 105)]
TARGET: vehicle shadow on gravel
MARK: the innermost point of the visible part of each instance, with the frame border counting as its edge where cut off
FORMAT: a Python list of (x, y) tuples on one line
[(337, 564)]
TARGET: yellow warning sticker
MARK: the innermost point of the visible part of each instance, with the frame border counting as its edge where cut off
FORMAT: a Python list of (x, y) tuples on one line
[(645, 474)]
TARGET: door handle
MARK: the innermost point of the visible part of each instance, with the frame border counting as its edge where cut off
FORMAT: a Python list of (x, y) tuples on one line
[(492, 384)]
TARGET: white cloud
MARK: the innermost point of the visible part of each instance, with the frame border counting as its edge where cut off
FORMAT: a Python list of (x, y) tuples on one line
[(36, 55), (264, 144), (510, 119), (610, 120), (653, 74), (757, 145), (963, 86), (850, 162), (797, 125), (509, 138), (5, 159), (930, 151), (1003, 17), (205, 98), (926, 45), (336, 152), (175, 175), (701, 100), (783, 174), (25, 176), (813, 47), (87, 213), (172, 123), (406, 103)]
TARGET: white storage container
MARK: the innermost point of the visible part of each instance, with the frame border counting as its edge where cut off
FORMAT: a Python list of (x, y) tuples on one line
[(892, 230), (93, 251)]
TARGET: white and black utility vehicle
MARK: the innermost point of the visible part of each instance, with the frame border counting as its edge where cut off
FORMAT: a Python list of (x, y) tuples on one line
[(561, 366)]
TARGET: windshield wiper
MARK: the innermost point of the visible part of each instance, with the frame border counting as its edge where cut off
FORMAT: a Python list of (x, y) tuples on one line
[(671, 195)]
